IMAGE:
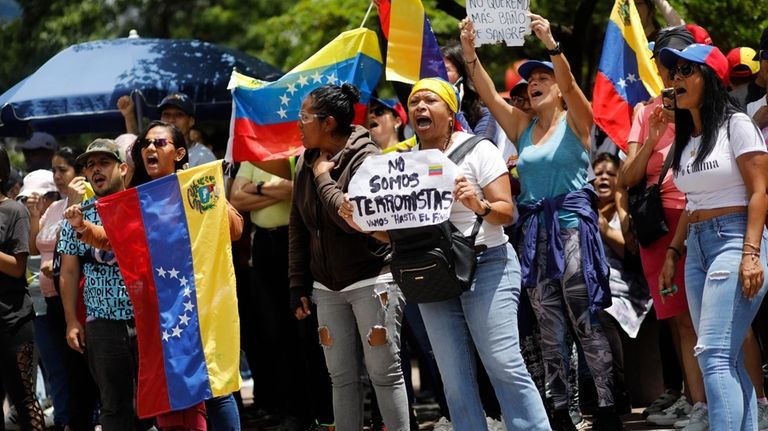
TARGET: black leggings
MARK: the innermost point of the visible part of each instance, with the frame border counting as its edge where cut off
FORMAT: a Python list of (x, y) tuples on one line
[(17, 374)]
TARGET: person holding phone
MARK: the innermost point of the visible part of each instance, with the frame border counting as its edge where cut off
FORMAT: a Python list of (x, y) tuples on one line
[(645, 158)]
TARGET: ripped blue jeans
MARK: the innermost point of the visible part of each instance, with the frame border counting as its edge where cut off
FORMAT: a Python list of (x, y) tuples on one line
[(363, 326), (721, 315)]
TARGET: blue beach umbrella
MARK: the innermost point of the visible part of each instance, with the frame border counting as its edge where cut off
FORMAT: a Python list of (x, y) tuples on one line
[(76, 91)]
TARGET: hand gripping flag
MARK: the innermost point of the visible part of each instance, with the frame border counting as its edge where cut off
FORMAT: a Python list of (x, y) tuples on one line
[(171, 240), (626, 76), (264, 125), (412, 50)]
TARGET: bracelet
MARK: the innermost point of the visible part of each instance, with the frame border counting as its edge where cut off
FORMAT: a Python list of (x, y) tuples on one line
[(81, 229), (750, 253), (677, 252), (749, 244)]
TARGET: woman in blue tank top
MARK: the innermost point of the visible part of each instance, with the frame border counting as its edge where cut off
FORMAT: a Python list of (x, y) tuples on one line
[(562, 259)]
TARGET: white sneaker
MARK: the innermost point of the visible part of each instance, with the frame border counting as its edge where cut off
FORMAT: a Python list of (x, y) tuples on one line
[(48, 417), (698, 420), (762, 417), (494, 425), (442, 424), (677, 411)]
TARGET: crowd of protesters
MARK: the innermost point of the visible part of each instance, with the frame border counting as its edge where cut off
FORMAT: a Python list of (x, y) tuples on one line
[(562, 284)]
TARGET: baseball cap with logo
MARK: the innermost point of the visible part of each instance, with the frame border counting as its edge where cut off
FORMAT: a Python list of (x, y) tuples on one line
[(700, 54), (741, 63), (40, 141), (103, 146), (179, 100), (39, 181)]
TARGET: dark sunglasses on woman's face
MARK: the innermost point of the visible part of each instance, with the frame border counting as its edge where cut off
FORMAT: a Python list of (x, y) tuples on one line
[(158, 143), (685, 70), (379, 111), (763, 54)]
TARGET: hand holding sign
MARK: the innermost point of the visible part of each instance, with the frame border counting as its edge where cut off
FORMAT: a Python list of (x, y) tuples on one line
[(542, 30), (401, 190)]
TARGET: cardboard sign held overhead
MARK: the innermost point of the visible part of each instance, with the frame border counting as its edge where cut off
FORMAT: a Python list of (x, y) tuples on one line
[(500, 20)]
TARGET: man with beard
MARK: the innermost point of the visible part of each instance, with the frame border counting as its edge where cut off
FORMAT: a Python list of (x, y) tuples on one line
[(109, 336)]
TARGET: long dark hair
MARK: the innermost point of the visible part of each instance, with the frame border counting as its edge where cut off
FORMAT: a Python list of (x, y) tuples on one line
[(471, 105), (337, 102), (717, 108), (140, 175)]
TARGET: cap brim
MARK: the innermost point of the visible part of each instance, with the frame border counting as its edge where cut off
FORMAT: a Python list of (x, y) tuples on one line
[(669, 57), (529, 66), (83, 157)]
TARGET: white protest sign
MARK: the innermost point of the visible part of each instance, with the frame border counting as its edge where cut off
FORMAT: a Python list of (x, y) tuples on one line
[(401, 190), (497, 20)]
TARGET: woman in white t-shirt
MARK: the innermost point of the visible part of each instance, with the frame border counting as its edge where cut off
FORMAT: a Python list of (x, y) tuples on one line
[(720, 162)]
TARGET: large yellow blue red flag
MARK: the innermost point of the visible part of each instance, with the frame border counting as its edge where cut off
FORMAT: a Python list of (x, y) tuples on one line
[(171, 240), (264, 118), (626, 75), (412, 50)]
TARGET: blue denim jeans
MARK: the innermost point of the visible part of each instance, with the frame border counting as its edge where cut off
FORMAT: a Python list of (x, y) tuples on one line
[(347, 323), (721, 315), (485, 317), (222, 413)]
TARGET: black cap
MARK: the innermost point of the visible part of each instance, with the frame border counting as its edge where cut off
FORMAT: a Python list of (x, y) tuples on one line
[(677, 37), (763, 44), (179, 100)]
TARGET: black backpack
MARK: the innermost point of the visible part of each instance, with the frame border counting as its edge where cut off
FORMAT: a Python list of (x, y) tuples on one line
[(437, 262)]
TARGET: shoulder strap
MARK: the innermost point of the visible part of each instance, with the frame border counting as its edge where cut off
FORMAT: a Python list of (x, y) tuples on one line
[(464, 149), (456, 157), (667, 164)]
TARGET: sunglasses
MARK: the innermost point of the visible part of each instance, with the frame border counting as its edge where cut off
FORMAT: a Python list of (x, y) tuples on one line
[(158, 143), (518, 101), (685, 70), (308, 118), (379, 111), (763, 54)]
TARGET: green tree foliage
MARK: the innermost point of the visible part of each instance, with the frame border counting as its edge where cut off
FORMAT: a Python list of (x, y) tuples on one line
[(286, 32)]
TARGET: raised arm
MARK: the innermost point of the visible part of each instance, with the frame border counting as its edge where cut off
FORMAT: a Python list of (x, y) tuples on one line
[(579, 109), (512, 120)]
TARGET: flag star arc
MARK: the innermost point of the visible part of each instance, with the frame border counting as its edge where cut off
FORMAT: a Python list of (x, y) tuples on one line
[(291, 88), (282, 113), (184, 319), (177, 331), (332, 79), (173, 273), (284, 100), (188, 306), (160, 272), (317, 77), (303, 80), (183, 281)]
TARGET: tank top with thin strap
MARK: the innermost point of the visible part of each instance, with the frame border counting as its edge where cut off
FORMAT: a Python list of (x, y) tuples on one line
[(553, 167)]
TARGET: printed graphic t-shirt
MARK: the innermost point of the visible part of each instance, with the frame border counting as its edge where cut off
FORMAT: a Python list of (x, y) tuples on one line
[(105, 295), (717, 181)]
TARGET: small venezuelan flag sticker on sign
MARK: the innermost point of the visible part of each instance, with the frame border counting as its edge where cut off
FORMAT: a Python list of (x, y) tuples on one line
[(435, 170)]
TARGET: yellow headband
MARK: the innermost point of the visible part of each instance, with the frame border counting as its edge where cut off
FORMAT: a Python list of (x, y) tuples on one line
[(440, 87)]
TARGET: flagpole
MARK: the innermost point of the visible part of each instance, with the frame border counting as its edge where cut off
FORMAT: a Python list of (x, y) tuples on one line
[(370, 6)]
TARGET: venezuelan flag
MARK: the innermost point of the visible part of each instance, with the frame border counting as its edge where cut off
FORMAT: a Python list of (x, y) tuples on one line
[(412, 50), (264, 125), (626, 75), (171, 240)]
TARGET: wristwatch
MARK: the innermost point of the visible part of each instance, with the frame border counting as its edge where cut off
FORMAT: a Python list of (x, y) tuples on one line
[(486, 206), (258, 187), (556, 50)]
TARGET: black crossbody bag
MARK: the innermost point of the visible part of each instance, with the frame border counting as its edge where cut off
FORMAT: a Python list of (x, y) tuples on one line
[(646, 209), (437, 262)]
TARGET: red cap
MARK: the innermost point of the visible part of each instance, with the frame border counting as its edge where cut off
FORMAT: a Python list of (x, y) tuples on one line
[(700, 34)]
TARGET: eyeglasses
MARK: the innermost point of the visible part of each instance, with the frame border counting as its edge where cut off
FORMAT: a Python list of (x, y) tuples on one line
[(308, 118), (379, 111), (158, 143), (763, 54), (685, 70)]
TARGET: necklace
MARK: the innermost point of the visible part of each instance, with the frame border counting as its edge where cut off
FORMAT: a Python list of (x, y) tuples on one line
[(447, 142)]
